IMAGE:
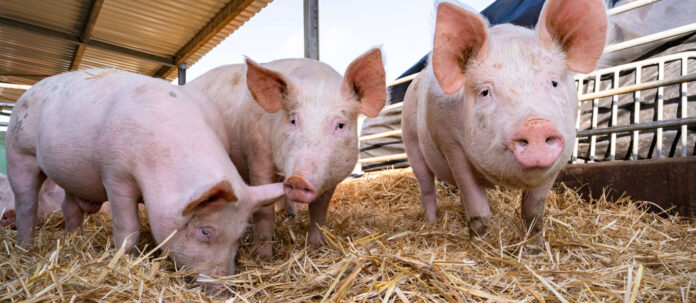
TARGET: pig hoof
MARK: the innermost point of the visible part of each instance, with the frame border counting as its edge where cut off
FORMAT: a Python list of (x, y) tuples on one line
[(478, 227), (316, 240), (536, 245), (264, 252)]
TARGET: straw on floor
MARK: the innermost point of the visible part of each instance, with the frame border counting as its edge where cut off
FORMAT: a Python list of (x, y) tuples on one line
[(379, 249)]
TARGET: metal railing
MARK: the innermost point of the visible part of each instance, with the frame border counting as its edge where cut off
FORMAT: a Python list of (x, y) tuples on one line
[(614, 92)]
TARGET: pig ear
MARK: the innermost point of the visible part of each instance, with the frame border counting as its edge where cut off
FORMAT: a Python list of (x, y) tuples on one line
[(263, 195), (366, 78), (460, 35), (269, 88), (580, 27), (216, 195)]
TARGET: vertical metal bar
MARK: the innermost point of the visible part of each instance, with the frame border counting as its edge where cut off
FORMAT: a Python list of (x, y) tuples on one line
[(684, 134), (595, 107), (181, 69), (636, 115), (311, 29), (577, 123), (614, 114), (660, 101)]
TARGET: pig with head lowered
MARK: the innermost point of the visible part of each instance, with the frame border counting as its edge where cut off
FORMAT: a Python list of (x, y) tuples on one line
[(295, 120), (50, 198), (107, 134), (497, 106)]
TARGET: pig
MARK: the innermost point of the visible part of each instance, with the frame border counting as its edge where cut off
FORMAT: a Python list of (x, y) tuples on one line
[(50, 198), (295, 120), (497, 106), (104, 134)]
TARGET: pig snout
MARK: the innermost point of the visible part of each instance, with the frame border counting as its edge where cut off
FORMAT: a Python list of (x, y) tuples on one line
[(297, 189), (537, 144), (8, 217)]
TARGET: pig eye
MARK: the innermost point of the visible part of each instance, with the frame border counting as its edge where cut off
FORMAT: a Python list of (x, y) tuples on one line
[(205, 233), (554, 83), (340, 125), (485, 93), (292, 121)]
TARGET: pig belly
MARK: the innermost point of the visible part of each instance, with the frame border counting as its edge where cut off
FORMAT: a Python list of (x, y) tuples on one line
[(436, 162), (72, 173)]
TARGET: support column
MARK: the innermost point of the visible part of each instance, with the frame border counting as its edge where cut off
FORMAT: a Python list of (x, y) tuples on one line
[(311, 29), (182, 73)]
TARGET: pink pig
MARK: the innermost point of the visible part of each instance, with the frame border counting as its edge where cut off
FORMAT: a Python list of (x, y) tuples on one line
[(106, 134), (295, 120), (498, 106), (50, 198)]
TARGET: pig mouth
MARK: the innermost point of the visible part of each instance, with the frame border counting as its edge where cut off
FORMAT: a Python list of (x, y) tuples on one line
[(298, 189)]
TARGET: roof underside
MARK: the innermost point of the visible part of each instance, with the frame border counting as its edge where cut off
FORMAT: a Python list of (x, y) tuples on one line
[(39, 39)]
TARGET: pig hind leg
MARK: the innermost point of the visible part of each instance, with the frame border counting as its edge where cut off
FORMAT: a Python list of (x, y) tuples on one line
[(26, 179), (317, 217), (73, 212), (425, 177)]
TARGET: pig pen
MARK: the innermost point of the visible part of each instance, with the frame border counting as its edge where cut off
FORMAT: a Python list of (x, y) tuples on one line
[(379, 248)]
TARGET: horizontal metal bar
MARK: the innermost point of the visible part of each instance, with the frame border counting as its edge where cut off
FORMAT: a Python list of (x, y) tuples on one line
[(634, 127), (4, 104), (381, 135), (168, 61), (651, 38), (636, 64), (638, 87), (383, 158), (403, 80), (627, 7), (14, 86), (4, 124)]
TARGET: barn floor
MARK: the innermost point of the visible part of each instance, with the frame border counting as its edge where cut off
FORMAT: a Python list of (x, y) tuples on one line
[(380, 249)]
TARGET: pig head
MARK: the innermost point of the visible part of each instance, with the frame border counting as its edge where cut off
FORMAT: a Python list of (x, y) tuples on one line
[(314, 119)]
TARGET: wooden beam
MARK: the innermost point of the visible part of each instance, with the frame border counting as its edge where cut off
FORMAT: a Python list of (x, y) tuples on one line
[(86, 33), (223, 17), (167, 61)]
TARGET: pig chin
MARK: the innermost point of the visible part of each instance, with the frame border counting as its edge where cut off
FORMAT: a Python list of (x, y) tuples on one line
[(506, 172)]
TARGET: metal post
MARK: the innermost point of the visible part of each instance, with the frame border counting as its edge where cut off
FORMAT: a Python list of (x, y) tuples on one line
[(182, 73), (311, 29)]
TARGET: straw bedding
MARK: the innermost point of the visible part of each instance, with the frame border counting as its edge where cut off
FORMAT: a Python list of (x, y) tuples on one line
[(379, 249)]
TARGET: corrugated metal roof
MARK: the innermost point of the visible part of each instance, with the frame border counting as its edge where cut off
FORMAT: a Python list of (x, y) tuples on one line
[(40, 38)]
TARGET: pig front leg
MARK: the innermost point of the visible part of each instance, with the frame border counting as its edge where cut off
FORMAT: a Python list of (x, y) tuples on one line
[(533, 204), (73, 212), (124, 215), (264, 218), (25, 179), (317, 217), (426, 180), (472, 195)]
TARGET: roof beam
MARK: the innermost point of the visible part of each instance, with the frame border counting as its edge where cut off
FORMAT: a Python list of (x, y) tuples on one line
[(86, 33), (223, 17), (167, 61)]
